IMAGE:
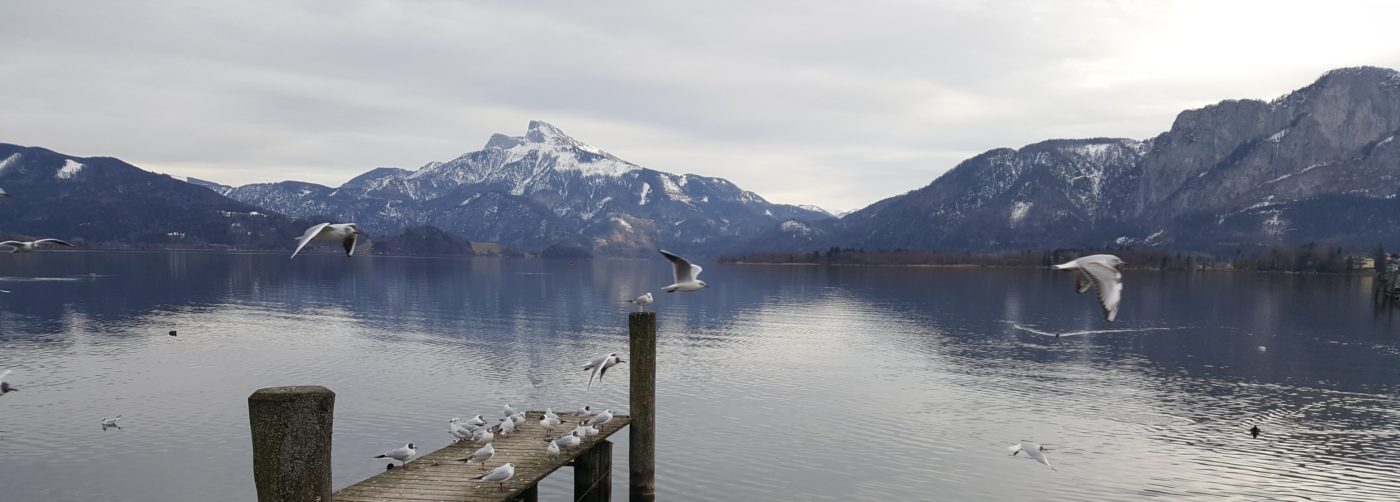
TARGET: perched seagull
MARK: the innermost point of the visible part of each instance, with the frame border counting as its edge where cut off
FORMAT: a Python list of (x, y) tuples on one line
[(507, 426), (1099, 271), (5, 387), (481, 455), (476, 421), (518, 418), (1254, 431), (458, 432), (553, 449), (549, 413), (1032, 450), (686, 274), (642, 301), (570, 440), (600, 419), (483, 435), (402, 453), (508, 410), (586, 431), (587, 411), (499, 475), (600, 366), (27, 246), (111, 422), (549, 423), (347, 233)]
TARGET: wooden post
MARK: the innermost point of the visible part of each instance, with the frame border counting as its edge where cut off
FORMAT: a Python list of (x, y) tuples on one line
[(641, 440), (531, 494), (593, 473), (292, 443)]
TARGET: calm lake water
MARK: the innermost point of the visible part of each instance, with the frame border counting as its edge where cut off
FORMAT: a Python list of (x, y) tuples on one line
[(777, 383)]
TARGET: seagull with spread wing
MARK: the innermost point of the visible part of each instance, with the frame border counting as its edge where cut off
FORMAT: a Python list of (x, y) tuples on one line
[(1099, 271), (27, 246), (347, 233), (1032, 450), (686, 274), (600, 366)]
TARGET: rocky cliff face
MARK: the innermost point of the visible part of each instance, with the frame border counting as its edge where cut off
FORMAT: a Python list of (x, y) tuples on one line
[(1319, 164)]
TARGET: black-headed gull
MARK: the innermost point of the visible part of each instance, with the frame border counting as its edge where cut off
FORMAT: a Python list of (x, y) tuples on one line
[(1099, 271), (5, 387), (686, 274), (600, 366), (27, 246), (600, 419), (458, 432), (642, 301), (111, 422), (1032, 450), (402, 453), (499, 475), (347, 233), (481, 455)]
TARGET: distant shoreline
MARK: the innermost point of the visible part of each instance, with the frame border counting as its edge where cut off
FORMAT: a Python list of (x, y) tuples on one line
[(1365, 272)]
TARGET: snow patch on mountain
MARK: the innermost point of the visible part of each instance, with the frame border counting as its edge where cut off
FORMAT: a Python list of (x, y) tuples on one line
[(672, 189), (646, 190), (70, 169), (795, 227), (9, 161), (1019, 210)]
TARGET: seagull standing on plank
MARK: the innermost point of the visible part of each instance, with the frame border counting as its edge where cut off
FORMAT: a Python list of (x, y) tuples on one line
[(402, 453), (347, 233), (1099, 271), (499, 475), (686, 274), (27, 246)]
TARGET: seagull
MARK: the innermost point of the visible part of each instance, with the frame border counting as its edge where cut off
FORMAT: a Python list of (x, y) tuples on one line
[(27, 246), (548, 423), (508, 410), (347, 233), (553, 449), (1032, 450), (111, 422), (600, 366), (549, 413), (458, 432), (600, 419), (402, 453), (483, 435), (570, 440), (476, 421), (1099, 271), (507, 426), (499, 475), (1254, 431), (481, 455), (587, 411), (686, 274), (5, 387), (642, 301), (518, 418)]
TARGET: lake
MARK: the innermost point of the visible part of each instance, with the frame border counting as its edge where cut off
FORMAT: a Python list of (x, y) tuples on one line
[(777, 383)]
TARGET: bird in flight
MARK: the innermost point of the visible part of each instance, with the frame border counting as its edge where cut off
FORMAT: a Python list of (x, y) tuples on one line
[(347, 233), (1099, 271)]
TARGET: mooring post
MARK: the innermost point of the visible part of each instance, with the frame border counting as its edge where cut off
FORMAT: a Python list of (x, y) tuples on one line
[(593, 474), (641, 443), (531, 494), (292, 443)]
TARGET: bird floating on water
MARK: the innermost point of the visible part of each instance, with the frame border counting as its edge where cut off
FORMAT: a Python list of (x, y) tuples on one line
[(1254, 431), (347, 233), (600, 366), (1099, 271), (5, 387), (27, 246), (402, 453), (642, 301), (111, 422), (685, 273)]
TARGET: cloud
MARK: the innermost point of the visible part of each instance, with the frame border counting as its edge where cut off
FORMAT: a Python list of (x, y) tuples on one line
[(837, 104)]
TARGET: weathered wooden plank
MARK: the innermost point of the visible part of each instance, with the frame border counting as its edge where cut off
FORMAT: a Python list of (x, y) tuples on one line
[(439, 477)]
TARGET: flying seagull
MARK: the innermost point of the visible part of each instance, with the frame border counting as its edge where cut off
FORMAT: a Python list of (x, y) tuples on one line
[(686, 274), (481, 455), (347, 233), (27, 246), (499, 475), (402, 453), (1099, 271), (600, 366), (1032, 450), (642, 301), (5, 387)]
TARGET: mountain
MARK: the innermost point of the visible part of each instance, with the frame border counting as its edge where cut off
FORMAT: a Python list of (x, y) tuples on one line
[(105, 200), (422, 241), (1318, 164), (536, 191)]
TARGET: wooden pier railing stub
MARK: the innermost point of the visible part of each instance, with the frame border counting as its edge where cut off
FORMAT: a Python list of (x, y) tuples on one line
[(439, 477)]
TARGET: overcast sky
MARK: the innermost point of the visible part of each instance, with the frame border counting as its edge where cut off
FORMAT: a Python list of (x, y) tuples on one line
[(838, 104)]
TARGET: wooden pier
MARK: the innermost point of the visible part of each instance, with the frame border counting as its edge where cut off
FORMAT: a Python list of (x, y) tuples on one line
[(291, 432), (440, 477)]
